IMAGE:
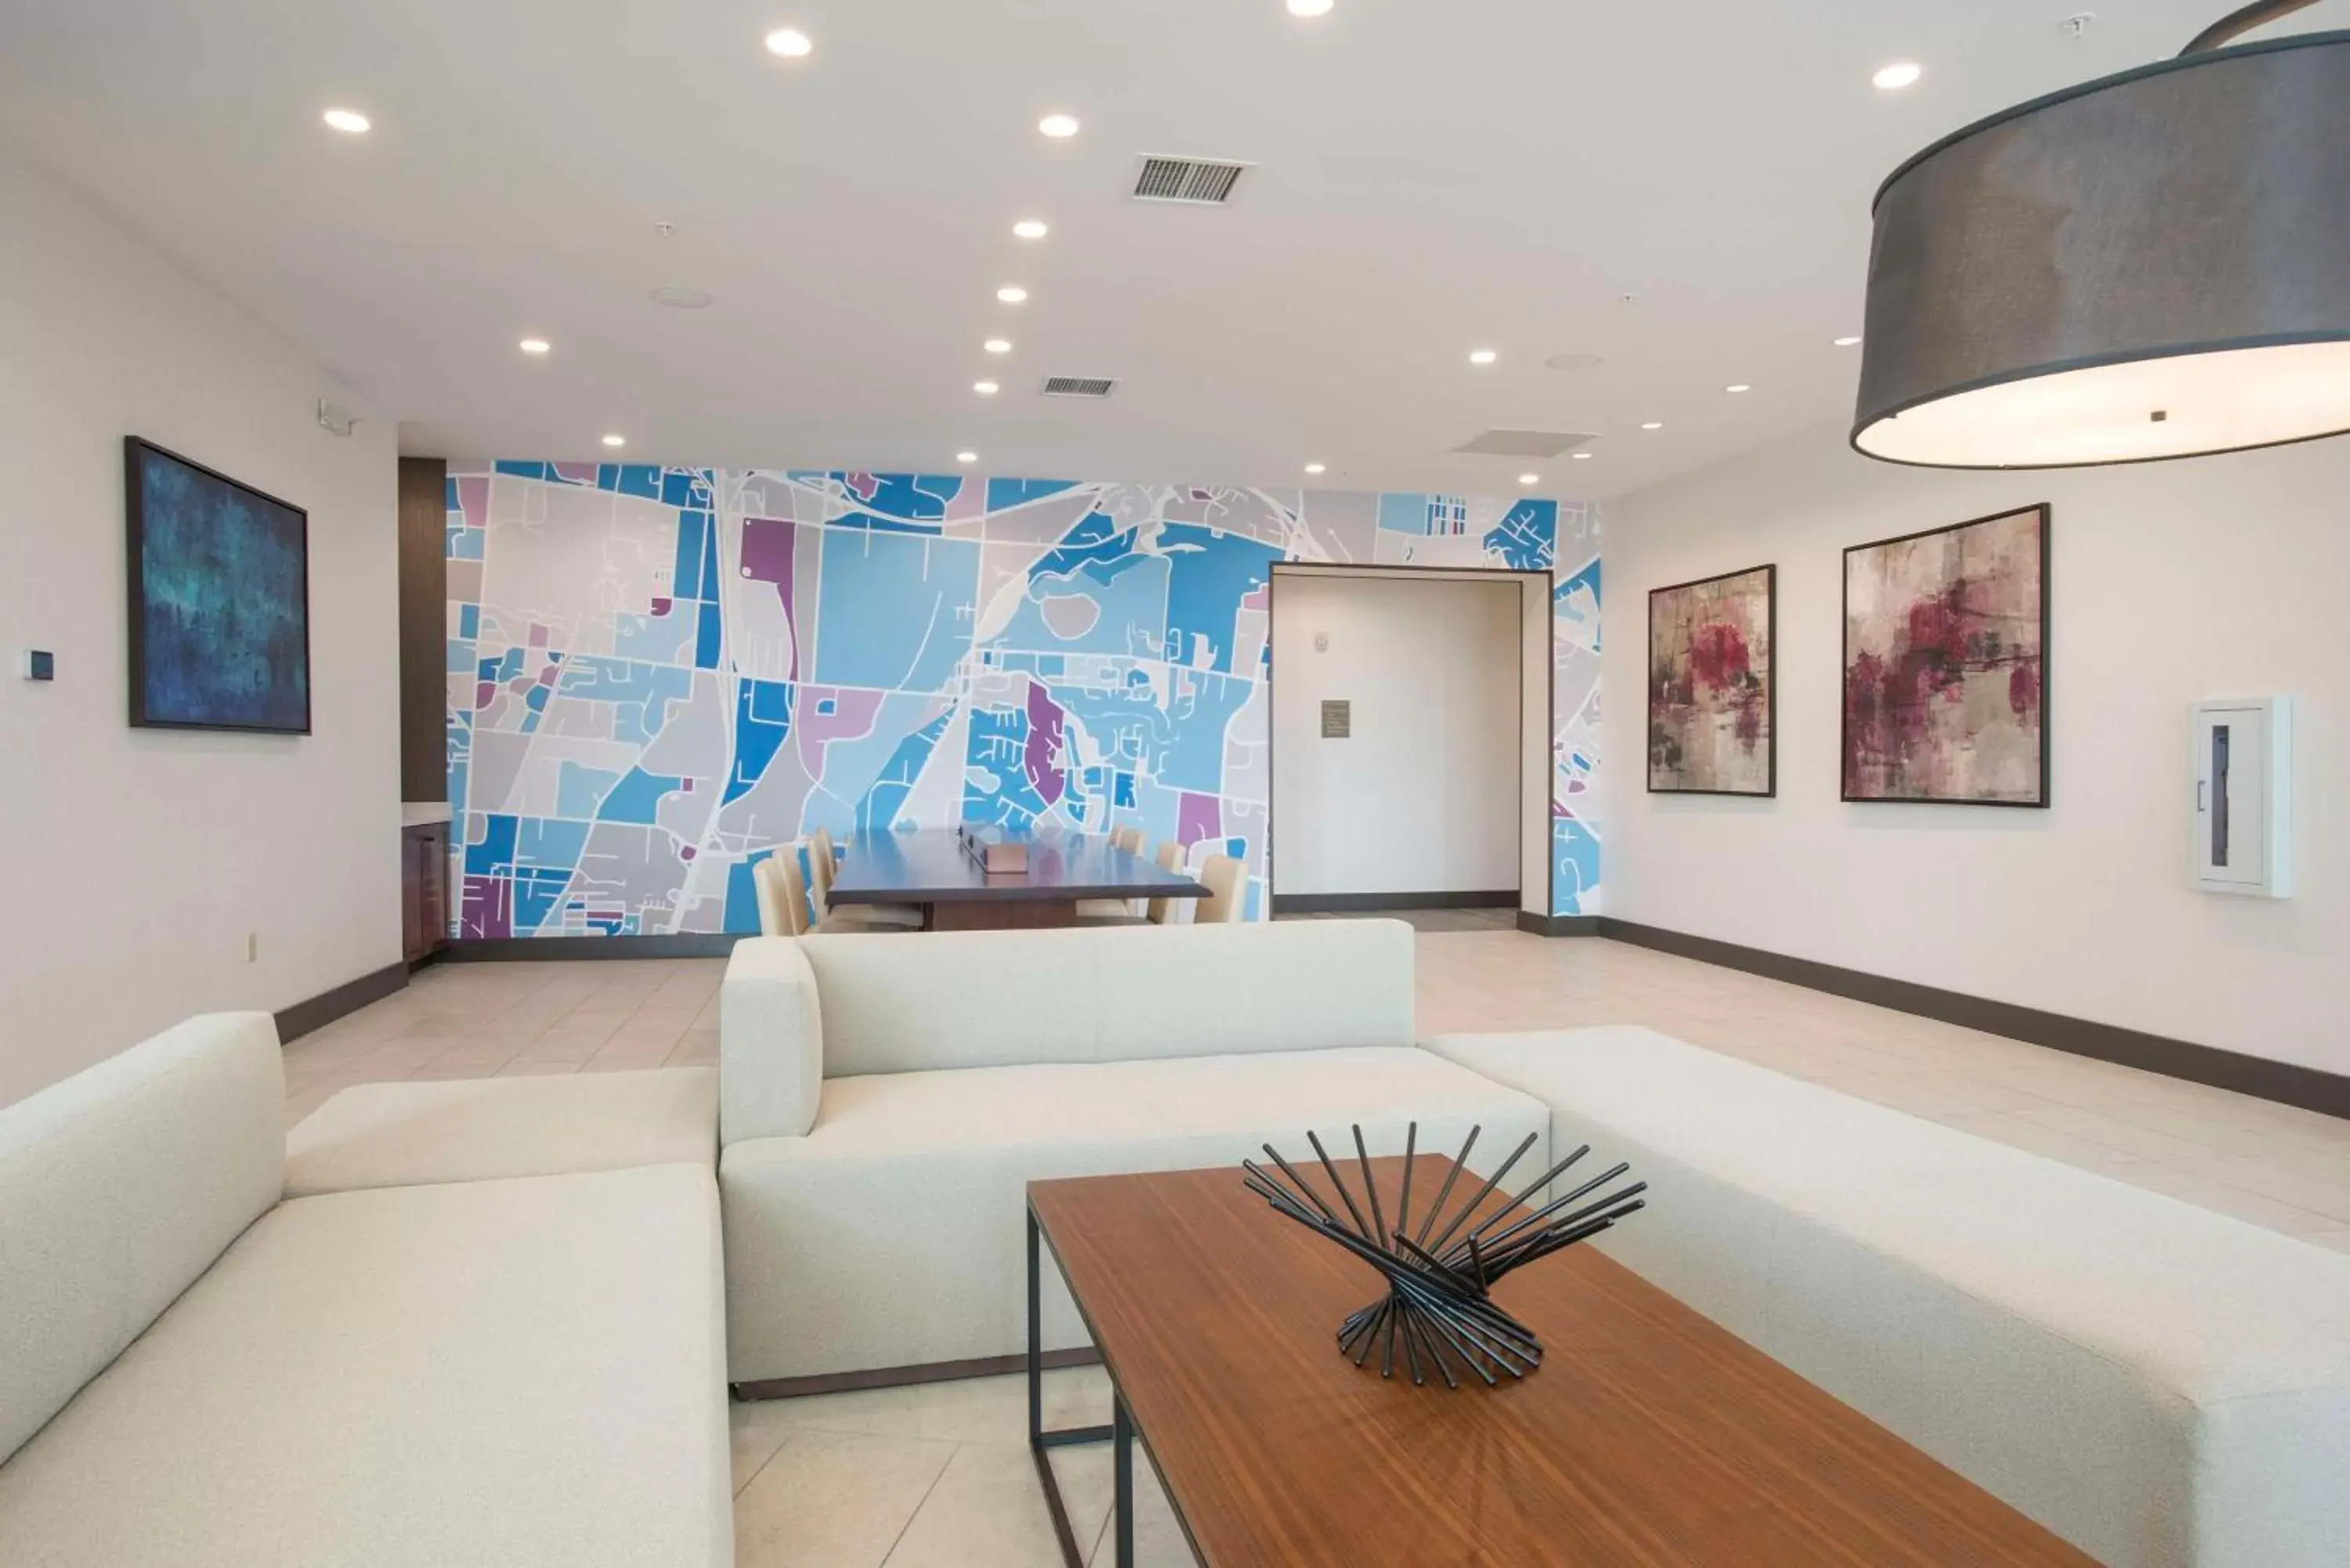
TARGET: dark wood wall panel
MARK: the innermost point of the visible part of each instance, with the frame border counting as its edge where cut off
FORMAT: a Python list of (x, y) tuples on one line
[(423, 634)]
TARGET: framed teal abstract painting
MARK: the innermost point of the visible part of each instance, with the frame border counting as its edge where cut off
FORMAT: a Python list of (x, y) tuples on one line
[(219, 600)]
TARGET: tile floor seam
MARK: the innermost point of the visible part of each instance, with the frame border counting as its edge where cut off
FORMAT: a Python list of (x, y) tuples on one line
[(900, 1538)]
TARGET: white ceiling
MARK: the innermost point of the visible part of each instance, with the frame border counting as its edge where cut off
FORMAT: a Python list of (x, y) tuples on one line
[(1434, 176)]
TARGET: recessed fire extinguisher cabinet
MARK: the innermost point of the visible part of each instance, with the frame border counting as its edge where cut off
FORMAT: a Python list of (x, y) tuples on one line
[(2243, 798)]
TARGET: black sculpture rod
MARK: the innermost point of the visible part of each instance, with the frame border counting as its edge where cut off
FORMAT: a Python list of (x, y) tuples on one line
[(1370, 1187), (1357, 1325), (1555, 1241), (1553, 1207), (1547, 1176), (1484, 1192), (1327, 1212), (1520, 1253), (1470, 1309), (1262, 1183), (1403, 1205), (1494, 1342), (1459, 1162), (1387, 1357), (1449, 1330), (1339, 1182), (1363, 1354), (1411, 1353), (1449, 1275), (1543, 1217), (1420, 1330)]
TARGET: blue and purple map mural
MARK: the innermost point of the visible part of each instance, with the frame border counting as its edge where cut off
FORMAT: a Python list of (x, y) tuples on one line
[(658, 675)]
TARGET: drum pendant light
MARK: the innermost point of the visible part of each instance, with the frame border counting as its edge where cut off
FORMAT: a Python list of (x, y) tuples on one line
[(2155, 264)]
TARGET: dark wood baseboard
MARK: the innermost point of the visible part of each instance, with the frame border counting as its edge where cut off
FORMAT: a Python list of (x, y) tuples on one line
[(2285, 1082), (569, 950), (904, 1377), (317, 1012), (1368, 903), (1558, 925)]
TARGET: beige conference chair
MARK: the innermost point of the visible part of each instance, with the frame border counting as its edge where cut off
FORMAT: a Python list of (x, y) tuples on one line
[(795, 904), (1170, 912), (780, 913), (1227, 899), (821, 866), (1115, 911)]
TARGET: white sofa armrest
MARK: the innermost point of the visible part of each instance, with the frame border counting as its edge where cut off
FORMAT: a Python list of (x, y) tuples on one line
[(770, 1042)]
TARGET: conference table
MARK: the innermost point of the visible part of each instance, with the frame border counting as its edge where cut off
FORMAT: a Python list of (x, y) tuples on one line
[(931, 868)]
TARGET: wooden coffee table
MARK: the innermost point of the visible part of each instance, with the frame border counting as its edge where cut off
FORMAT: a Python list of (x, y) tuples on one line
[(1650, 1434)]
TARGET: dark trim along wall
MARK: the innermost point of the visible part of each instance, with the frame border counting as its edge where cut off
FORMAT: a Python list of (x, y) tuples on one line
[(317, 1012), (2282, 1082), (1363, 903)]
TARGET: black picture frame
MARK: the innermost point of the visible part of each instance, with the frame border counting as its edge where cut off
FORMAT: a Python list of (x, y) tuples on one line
[(2046, 516), (1769, 572), (134, 450)]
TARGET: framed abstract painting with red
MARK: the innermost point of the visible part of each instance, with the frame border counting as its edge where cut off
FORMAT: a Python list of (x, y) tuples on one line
[(1713, 685), (1946, 664)]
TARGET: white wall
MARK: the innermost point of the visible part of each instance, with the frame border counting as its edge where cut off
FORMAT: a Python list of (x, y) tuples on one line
[(2216, 577), (1423, 798), (133, 862)]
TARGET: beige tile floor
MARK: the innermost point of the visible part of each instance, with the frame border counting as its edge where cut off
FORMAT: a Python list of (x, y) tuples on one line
[(940, 1475)]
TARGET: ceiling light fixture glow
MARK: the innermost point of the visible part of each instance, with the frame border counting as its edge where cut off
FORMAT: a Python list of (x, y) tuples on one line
[(1654, 425), (1483, 356), (2146, 311), (1013, 295), (1317, 468), (349, 121), (1031, 228), (998, 345), (1580, 456), (985, 389), (966, 457), (1738, 387), (1534, 478), (616, 441), (533, 345), (1059, 127), (1897, 76), (788, 41), (1309, 7), (1847, 342)]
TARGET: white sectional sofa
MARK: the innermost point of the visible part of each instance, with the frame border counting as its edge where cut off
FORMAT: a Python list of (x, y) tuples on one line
[(524, 1372), (885, 1100), (2160, 1384)]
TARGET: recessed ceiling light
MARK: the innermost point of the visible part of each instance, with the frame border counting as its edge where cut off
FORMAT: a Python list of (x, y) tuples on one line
[(1309, 7), (1031, 228), (1483, 357), (1317, 468), (966, 457), (1738, 387), (1013, 295), (1899, 75), (1654, 425), (1059, 127), (788, 41), (998, 345), (1847, 342), (1580, 456), (616, 441), (534, 345), (679, 298), (1534, 478), (351, 121), (985, 389)]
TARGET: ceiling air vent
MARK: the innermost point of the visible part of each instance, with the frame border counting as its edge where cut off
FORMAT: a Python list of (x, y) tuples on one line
[(1078, 386), (1199, 182), (1524, 443)]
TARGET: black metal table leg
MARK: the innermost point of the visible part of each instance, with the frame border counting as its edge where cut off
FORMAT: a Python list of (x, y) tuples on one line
[(1122, 1460), (1041, 1443)]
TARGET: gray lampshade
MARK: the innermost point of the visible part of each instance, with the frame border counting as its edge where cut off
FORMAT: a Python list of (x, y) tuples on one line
[(2156, 265)]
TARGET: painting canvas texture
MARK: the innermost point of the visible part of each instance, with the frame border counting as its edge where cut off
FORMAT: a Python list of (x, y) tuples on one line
[(1945, 672), (220, 601), (1710, 686), (658, 675)]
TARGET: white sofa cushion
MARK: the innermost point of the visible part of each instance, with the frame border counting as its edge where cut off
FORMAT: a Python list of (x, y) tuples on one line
[(480, 1129), (2158, 1384), (893, 1235), (987, 999), (770, 1041), (519, 1374), (118, 1187)]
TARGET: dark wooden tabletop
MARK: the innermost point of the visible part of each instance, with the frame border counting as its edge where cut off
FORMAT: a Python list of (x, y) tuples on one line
[(1649, 1436), (930, 866)]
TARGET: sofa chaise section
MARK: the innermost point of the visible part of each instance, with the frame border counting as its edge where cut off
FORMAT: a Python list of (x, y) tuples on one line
[(905, 1093), (2162, 1386)]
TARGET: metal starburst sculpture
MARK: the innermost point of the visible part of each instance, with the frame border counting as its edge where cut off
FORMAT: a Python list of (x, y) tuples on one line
[(1440, 1303)]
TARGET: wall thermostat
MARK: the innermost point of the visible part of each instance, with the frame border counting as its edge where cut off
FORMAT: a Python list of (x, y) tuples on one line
[(2243, 798), (40, 664)]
